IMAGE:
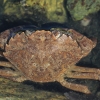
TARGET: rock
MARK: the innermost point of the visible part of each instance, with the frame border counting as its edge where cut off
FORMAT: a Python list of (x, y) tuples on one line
[(78, 96), (81, 8), (10, 90), (35, 10)]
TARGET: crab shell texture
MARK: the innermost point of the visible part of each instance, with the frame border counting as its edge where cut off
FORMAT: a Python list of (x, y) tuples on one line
[(45, 57)]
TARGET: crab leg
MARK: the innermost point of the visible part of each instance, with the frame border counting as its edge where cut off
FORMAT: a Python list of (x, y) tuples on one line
[(6, 64), (75, 87), (6, 73), (79, 75), (12, 75), (85, 69), (83, 73)]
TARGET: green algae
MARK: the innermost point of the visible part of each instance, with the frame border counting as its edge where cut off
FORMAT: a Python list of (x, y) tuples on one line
[(81, 8), (55, 11), (41, 11), (44, 11)]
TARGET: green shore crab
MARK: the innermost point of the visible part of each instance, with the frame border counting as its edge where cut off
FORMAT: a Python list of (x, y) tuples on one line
[(46, 56)]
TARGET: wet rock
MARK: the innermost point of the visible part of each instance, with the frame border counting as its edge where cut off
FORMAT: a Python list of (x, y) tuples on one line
[(46, 10), (10, 90), (81, 8), (78, 96), (33, 10)]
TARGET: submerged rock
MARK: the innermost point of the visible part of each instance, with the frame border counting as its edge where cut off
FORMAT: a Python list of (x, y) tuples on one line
[(81, 8), (35, 10), (10, 90), (77, 96), (45, 11)]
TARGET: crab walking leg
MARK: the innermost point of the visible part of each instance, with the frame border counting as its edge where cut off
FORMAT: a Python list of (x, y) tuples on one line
[(85, 69), (6, 64), (7, 73), (75, 87), (82, 73), (12, 75), (79, 75)]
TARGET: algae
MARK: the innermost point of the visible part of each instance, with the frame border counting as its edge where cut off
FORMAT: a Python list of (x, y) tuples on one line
[(81, 8), (44, 11), (41, 11)]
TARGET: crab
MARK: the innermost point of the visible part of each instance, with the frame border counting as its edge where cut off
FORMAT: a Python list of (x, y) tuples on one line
[(47, 56)]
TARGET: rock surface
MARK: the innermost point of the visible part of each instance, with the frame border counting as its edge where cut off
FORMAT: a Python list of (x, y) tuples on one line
[(81, 8), (10, 90), (46, 10)]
